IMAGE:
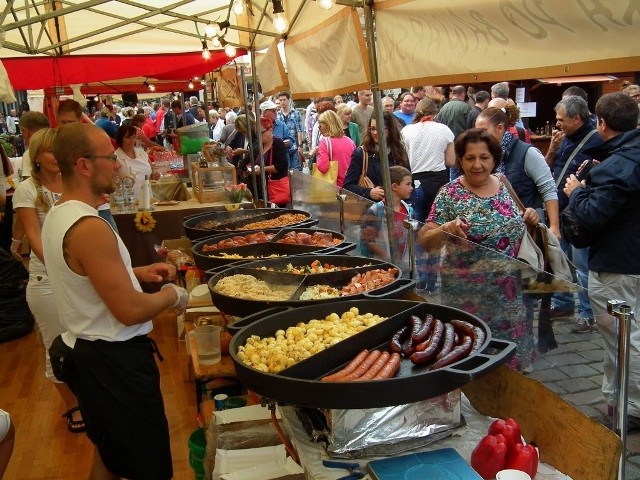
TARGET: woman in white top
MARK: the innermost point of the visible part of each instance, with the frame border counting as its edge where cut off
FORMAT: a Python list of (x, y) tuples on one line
[(134, 160), (32, 200)]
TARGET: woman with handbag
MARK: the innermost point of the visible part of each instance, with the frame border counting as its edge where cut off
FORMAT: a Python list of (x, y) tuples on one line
[(364, 176), (476, 209), (276, 166), (333, 145)]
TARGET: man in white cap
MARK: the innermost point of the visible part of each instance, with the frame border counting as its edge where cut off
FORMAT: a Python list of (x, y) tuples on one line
[(268, 110)]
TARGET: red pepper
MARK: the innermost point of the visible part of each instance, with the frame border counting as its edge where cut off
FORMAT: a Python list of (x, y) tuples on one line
[(523, 458), (509, 428), (489, 456)]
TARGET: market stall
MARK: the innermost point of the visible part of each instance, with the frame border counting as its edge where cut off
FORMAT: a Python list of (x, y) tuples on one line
[(483, 58)]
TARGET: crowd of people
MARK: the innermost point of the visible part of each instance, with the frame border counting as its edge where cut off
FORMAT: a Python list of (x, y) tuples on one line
[(449, 161)]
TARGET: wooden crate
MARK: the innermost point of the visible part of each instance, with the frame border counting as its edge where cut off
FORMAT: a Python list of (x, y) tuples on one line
[(209, 183)]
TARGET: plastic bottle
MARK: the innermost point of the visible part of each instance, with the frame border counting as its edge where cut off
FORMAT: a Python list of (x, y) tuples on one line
[(145, 194)]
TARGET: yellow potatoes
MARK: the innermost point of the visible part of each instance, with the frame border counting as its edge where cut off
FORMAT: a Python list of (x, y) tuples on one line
[(290, 346)]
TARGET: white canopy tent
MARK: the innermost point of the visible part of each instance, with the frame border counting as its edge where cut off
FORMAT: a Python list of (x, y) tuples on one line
[(418, 41)]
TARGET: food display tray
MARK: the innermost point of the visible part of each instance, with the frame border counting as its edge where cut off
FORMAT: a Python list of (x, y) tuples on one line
[(210, 259), (232, 221), (266, 270), (300, 384)]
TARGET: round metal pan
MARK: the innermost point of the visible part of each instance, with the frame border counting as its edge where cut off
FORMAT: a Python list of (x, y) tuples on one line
[(301, 385), (227, 222), (261, 269), (208, 260)]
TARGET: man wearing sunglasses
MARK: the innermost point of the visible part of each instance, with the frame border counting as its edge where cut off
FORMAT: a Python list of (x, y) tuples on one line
[(105, 355)]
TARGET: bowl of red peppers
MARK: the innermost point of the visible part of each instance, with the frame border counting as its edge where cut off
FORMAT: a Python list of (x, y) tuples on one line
[(503, 448)]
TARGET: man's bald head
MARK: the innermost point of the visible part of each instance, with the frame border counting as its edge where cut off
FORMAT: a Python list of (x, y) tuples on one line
[(498, 103)]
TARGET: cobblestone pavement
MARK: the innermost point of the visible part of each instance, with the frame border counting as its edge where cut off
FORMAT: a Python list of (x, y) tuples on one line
[(574, 371)]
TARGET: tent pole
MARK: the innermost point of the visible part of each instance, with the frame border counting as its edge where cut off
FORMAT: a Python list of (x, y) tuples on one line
[(378, 114), (256, 108), (252, 154)]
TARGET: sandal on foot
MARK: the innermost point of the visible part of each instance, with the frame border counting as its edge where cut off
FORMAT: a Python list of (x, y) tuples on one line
[(74, 426)]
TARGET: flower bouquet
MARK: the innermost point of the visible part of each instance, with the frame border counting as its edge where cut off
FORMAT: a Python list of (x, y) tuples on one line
[(235, 194)]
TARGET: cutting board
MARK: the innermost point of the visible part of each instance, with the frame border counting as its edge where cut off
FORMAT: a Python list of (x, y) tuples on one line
[(442, 464)]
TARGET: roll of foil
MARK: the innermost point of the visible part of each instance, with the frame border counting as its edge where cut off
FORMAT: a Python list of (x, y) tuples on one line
[(389, 430)]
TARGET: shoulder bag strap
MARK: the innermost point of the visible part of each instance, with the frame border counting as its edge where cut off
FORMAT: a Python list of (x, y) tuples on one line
[(270, 160), (512, 192), (573, 154), (329, 149), (365, 164)]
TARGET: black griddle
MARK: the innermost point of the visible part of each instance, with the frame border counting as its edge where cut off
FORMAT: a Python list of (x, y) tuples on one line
[(301, 385), (261, 269)]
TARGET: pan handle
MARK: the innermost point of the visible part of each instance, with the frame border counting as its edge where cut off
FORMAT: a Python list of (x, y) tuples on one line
[(401, 285), (249, 319), (481, 361)]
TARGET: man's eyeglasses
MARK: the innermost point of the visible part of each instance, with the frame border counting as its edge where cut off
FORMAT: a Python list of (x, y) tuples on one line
[(113, 157), (635, 96)]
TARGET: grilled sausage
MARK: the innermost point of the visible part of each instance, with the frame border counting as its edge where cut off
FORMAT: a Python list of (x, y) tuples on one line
[(448, 343), (409, 347), (353, 364), (457, 354), (424, 332), (421, 357), (395, 344), (362, 368), (416, 325), (464, 327), (478, 340), (379, 364), (390, 369)]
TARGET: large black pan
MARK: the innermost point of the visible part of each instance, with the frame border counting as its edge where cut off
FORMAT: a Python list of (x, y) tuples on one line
[(212, 259), (243, 307), (300, 384), (225, 222)]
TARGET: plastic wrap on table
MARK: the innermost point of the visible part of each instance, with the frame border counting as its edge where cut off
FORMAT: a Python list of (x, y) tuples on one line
[(375, 431), (175, 257)]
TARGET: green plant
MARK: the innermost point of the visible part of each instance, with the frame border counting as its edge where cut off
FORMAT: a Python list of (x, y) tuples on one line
[(8, 148)]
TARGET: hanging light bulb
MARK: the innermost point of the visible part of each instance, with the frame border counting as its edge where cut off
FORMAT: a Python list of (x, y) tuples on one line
[(212, 29), (280, 22), (230, 50), (325, 4), (206, 54), (216, 42), (238, 7), (152, 87), (96, 98), (190, 85), (195, 79), (203, 82)]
